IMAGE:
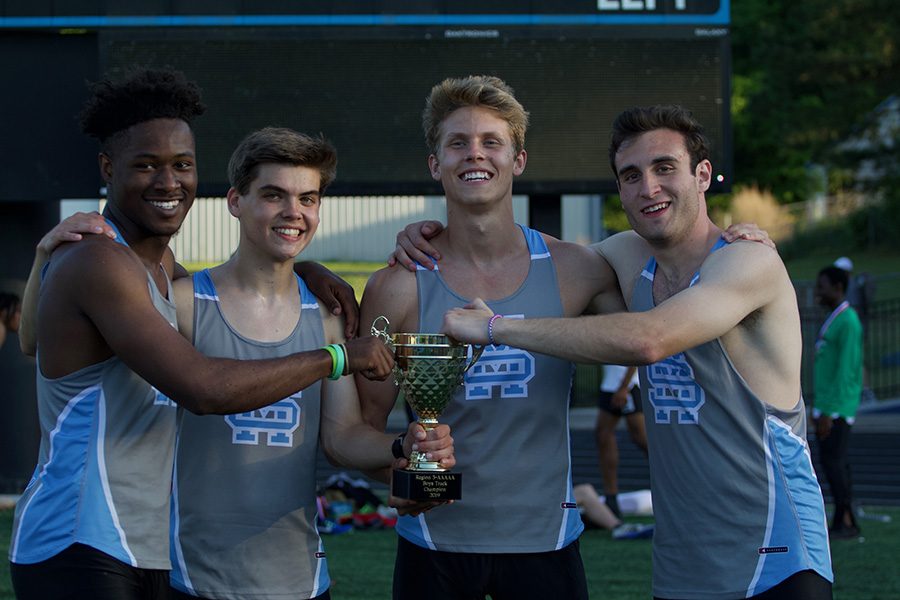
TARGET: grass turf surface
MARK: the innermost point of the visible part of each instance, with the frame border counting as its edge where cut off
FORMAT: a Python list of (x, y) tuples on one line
[(361, 563)]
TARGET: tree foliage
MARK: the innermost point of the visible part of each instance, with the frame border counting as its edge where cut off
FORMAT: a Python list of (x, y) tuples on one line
[(804, 72)]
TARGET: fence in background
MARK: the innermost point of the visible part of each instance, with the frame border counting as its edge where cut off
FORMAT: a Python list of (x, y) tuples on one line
[(351, 229), (881, 351)]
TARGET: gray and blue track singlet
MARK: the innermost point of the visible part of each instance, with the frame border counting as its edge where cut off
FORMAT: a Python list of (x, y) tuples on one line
[(244, 500), (737, 505), (104, 470), (510, 423)]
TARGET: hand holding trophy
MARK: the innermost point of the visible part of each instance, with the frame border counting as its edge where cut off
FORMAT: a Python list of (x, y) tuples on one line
[(428, 367)]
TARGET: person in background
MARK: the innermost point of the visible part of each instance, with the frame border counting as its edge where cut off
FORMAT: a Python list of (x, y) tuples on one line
[(860, 290), (838, 375), (596, 513), (10, 314), (620, 396)]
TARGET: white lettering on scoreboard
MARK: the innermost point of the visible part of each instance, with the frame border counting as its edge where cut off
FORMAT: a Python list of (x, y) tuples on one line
[(635, 4)]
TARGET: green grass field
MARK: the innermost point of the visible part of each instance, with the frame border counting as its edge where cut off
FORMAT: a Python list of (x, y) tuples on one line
[(361, 563)]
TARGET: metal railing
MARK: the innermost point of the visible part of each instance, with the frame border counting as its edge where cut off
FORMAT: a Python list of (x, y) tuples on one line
[(881, 347)]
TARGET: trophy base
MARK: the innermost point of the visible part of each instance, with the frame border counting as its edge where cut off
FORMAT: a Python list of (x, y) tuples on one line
[(427, 485)]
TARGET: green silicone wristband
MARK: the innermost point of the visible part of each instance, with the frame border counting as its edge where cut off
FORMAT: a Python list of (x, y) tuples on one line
[(339, 361), (334, 361)]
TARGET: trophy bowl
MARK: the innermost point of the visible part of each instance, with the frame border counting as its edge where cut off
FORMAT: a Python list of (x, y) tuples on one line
[(431, 367)]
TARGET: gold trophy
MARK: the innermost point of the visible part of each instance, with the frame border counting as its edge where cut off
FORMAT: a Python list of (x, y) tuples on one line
[(428, 368)]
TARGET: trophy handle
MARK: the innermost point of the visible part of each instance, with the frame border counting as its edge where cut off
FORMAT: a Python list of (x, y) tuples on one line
[(477, 351), (382, 333)]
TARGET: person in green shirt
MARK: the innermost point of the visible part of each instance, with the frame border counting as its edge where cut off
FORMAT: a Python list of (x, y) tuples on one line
[(838, 384)]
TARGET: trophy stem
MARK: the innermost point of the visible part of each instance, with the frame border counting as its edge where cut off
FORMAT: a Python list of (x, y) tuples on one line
[(417, 460)]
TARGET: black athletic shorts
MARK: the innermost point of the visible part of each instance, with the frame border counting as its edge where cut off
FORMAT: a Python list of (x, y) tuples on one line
[(422, 573), (630, 408), (84, 573)]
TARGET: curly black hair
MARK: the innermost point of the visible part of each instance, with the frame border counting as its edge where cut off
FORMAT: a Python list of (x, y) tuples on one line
[(142, 95)]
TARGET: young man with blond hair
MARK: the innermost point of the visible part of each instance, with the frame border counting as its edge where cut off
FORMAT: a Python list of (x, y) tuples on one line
[(514, 533)]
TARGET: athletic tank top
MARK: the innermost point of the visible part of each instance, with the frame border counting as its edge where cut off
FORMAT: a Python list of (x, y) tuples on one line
[(510, 423), (737, 505), (244, 501), (104, 469)]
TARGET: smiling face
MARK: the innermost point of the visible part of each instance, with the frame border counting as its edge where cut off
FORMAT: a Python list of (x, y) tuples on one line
[(660, 192), (279, 214), (476, 159), (151, 175)]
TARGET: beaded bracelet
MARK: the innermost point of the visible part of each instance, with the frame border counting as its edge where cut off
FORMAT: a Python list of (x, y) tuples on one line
[(337, 360), (491, 328)]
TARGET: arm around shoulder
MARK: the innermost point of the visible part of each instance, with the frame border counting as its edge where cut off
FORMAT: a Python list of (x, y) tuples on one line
[(587, 282), (134, 330), (734, 282)]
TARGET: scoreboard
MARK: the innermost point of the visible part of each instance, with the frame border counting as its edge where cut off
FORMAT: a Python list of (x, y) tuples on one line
[(359, 72)]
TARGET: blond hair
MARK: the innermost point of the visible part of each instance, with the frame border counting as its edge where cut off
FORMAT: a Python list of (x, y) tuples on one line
[(474, 90)]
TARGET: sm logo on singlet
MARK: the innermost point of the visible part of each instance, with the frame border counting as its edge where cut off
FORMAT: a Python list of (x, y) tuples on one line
[(160, 399), (278, 421), (502, 368), (673, 392)]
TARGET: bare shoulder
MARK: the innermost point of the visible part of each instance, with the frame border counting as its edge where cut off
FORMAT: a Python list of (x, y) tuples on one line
[(745, 260), (390, 292), (626, 253), (96, 258), (332, 324), (183, 287), (93, 289), (752, 275), (389, 282), (583, 275), (572, 255)]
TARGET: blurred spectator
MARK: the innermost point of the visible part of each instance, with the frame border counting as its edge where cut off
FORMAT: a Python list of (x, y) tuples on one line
[(838, 385), (860, 292), (619, 396), (19, 430), (10, 314), (861, 295), (595, 513)]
